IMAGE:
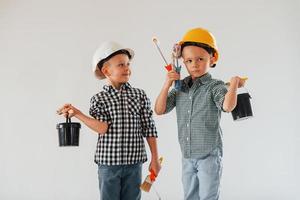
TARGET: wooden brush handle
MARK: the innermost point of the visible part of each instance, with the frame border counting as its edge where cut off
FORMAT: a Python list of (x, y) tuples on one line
[(152, 174)]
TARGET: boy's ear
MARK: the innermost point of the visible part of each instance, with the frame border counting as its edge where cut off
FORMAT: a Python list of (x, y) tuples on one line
[(212, 60), (105, 69)]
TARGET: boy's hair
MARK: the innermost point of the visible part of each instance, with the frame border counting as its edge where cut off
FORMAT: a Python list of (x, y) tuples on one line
[(122, 51), (206, 47)]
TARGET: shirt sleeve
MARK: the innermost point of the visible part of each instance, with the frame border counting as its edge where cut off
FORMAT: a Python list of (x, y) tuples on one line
[(218, 92), (97, 110), (148, 125), (171, 101)]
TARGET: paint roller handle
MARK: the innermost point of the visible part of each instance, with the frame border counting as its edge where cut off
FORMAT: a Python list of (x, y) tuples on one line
[(169, 67), (177, 82)]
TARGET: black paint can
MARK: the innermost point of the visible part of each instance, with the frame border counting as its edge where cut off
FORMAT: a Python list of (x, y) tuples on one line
[(243, 108), (68, 133)]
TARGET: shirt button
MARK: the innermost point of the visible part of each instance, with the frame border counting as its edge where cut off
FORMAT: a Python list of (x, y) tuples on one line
[(187, 125), (187, 139), (190, 97), (188, 111)]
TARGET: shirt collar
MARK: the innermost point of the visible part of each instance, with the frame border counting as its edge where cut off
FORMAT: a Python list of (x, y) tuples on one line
[(110, 88), (202, 79)]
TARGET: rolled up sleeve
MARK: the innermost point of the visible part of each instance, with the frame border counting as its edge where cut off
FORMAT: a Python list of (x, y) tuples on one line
[(218, 92), (171, 101), (148, 125), (97, 110)]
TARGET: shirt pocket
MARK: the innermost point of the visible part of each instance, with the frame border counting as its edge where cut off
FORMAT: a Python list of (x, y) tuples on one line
[(134, 105)]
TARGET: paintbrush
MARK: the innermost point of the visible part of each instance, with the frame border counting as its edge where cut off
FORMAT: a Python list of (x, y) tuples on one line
[(149, 180), (243, 78)]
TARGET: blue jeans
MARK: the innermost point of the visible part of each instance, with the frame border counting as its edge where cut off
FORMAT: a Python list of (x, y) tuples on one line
[(201, 177), (120, 182)]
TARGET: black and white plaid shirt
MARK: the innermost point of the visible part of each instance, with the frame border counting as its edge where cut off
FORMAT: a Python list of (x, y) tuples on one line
[(129, 115)]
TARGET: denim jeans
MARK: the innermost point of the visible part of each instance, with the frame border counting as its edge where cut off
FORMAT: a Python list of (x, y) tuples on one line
[(201, 177), (120, 182)]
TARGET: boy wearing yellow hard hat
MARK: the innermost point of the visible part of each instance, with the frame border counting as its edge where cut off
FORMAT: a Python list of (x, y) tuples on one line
[(199, 103)]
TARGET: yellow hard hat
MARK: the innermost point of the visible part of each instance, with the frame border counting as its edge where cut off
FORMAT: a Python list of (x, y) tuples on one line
[(202, 36)]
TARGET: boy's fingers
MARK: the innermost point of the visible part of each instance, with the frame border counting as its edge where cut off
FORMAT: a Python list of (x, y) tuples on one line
[(243, 80), (64, 111), (66, 106), (71, 111), (173, 73), (61, 110), (58, 111)]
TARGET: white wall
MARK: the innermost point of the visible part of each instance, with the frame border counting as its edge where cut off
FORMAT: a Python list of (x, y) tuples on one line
[(45, 61)]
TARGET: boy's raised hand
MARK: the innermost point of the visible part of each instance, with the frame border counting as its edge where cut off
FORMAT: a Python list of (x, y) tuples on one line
[(172, 76), (68, 110), (238, 81)]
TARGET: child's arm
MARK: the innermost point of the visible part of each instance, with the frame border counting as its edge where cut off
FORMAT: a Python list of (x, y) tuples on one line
[(94, 124), (149, 131), (161, 100), (154, 164), (231, 96)]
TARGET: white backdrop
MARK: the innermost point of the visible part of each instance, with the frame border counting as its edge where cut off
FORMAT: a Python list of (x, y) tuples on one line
[(45, 60)]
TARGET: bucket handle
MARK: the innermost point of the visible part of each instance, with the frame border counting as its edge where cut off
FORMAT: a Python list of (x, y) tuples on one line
[(246, 91), (68, 119)]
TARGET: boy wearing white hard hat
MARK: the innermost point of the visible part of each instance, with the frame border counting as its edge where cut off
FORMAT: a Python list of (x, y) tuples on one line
[(122, 117)]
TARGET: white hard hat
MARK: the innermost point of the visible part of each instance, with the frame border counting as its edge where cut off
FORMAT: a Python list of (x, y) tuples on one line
[(104, 52)]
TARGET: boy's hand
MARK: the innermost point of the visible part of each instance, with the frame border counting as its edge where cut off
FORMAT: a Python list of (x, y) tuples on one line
[(155, 166), (237, 81), (172, 76), (68, 110)]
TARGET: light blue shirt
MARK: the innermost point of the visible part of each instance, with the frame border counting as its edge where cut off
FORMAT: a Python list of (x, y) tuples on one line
[(198, 108)]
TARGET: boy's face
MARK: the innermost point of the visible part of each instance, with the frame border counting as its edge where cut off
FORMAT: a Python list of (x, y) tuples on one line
[(117, 69), (197, 60)]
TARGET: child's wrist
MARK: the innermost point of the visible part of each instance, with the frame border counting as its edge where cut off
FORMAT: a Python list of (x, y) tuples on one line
[(78, 114), (167, 85), (154, 157)]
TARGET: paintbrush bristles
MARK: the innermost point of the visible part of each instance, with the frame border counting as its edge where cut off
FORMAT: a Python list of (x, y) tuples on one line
[(146, 184)]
